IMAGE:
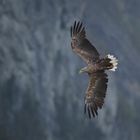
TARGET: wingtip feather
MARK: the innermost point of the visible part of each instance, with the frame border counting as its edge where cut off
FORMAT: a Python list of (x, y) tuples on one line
[(77, 28), (89, 112)]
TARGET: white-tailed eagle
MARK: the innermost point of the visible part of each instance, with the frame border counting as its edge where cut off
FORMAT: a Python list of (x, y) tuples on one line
[(96, 66)]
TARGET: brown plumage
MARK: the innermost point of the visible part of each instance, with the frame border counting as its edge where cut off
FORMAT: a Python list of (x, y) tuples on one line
[(96, 67)]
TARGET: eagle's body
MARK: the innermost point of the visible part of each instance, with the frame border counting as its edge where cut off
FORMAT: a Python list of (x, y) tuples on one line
[(95, 68)]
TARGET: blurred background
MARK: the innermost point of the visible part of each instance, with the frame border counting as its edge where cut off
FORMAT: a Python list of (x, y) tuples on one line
[(41, 92)]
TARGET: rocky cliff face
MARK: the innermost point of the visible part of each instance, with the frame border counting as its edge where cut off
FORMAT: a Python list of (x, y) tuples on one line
[(41, 93)]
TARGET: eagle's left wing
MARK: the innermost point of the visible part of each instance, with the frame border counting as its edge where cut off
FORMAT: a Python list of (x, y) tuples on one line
[(81, 45), (95, 93)]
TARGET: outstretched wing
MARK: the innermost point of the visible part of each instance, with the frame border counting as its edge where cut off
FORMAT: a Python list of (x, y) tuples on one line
[(80, 45), (95, 93)]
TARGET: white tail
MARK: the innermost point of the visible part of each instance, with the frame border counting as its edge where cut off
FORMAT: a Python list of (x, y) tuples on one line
[(114, 62)]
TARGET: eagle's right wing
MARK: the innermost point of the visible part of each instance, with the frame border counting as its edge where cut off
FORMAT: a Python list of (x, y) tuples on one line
[(95, 93), (80, 45)]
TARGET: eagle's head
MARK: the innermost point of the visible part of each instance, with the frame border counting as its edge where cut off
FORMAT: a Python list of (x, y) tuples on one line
[(84, 70)]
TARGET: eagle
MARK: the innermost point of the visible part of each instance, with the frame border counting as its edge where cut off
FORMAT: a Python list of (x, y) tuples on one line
[(96, 69)]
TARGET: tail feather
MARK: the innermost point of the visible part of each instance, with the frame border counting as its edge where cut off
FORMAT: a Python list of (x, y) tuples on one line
[(113, 61)]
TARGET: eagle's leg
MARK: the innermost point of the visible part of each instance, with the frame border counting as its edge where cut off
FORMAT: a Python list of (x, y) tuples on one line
[(109, 63)]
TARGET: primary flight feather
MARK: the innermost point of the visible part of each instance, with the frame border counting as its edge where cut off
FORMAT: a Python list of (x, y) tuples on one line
[(96, 66)]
